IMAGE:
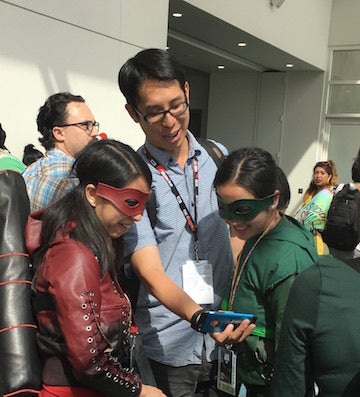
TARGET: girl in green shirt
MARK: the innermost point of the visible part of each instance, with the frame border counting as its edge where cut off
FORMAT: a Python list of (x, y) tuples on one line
[(277, 248)]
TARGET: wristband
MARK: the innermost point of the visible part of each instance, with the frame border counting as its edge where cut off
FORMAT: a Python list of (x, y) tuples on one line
[(195, 320)]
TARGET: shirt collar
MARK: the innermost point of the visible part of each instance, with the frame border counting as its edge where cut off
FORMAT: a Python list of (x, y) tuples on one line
[(60, 154), (164, 157)]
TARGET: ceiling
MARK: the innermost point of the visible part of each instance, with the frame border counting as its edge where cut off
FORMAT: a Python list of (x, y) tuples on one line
[(202, 42)]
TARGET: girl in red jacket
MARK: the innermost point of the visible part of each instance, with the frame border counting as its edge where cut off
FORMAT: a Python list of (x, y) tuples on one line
[(85, 335)]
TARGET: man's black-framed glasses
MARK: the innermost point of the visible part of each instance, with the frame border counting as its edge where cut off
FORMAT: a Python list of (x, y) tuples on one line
[(156, 117), (84, 125)]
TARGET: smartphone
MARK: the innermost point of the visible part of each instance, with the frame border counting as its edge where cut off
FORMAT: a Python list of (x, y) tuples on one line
[(216, 321)]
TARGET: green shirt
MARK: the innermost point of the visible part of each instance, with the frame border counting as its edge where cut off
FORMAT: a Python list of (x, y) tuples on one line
[(319, 339), (282, 253), (286, 250), (9, 162)]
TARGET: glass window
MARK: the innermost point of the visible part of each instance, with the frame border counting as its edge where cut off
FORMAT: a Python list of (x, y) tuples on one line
[(344, 99), (346, 65), (344, 85)]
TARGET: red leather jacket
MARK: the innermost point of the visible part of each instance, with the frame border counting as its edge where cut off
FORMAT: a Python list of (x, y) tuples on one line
[(84, 325)]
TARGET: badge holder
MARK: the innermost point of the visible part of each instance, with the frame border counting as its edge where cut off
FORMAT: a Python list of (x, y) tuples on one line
[(226, 376)]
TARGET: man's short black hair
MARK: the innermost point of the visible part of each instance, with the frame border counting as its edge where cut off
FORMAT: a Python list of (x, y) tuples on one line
[(150, 64)]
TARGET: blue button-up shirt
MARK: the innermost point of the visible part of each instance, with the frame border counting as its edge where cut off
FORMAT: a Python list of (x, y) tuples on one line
[(167, 338)]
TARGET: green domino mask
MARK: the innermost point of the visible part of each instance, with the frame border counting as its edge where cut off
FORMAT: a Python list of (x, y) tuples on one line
[(245, 209)]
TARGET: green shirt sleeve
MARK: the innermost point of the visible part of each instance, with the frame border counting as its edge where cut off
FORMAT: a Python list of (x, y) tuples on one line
[(277, 299), (293, 374)]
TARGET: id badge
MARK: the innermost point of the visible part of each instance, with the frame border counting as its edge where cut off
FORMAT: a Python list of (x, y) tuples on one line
[(198, 281), (226, 376)]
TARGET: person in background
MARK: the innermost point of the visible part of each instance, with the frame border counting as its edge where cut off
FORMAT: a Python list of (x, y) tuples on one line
[(85, 323), (355, 176), (31, 154), (67, 125), (312, 346), (7, 160), (316, 201), (188, 232), (277, 248)]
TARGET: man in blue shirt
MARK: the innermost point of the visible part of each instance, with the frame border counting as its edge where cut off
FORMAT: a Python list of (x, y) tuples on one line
[(67, 125), (188, 238)]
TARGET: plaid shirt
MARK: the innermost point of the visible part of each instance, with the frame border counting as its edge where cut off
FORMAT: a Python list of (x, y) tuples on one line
[(49, 178)]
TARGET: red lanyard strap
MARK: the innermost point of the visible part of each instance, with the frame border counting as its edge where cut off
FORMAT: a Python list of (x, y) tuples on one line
[(190, 221)]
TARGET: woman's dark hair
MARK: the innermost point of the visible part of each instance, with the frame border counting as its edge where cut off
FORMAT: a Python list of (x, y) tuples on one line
[(252, 168), (53, 113), (284, 188), (108, 161), (2, 138), (31, 154), (329, 167), (149, 64), (355, 169)]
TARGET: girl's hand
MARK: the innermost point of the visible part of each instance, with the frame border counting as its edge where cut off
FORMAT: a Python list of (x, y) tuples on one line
[(151, 391), (231, 335)]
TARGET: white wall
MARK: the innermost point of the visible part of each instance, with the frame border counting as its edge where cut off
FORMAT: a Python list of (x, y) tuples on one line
[(280, 112), (299, 27), (302, 126), (49, 46), (77, 46), (232, 108)]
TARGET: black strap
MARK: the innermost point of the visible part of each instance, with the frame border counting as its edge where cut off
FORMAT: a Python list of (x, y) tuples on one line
[(42, 301), (354, 263), (151, 209), (195, 320), (213, 150)]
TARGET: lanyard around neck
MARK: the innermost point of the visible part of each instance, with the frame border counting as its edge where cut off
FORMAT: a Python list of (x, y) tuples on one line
[(190, 221), (238, 272)]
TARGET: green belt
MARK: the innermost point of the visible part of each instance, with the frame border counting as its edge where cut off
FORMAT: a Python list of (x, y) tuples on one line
[(263, 332)]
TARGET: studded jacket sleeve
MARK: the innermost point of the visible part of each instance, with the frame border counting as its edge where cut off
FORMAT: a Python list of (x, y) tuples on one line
[(91, 321)]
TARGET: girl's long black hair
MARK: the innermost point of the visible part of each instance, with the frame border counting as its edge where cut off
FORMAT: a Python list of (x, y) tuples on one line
[(108, 161), (253, 168)]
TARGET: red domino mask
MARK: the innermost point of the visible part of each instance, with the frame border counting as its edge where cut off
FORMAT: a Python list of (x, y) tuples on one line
[(130, 202)]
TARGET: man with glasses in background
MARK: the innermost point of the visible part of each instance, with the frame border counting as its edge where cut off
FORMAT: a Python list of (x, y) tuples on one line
[(188, 241), (67, 125)]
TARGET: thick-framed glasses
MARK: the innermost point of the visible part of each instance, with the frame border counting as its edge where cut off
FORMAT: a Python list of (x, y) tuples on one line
[(157, 117), (84, 125)]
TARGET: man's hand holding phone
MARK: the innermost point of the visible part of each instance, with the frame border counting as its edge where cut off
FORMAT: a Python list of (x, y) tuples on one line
[(224, 326)]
